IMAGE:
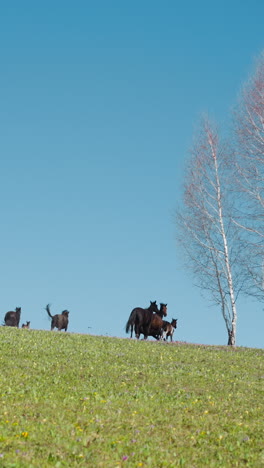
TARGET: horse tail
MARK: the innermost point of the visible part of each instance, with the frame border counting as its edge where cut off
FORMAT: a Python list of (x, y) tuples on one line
[(48, 310), (131, 321), (128, 325)]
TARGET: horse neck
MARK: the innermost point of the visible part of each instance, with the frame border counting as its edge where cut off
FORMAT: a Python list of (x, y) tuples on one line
[(160, 313)]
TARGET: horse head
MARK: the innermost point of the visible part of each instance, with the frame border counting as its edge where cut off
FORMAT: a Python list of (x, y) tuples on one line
[(65, 312), (153, 307), (174, 323), (18, 314), (163, 309)]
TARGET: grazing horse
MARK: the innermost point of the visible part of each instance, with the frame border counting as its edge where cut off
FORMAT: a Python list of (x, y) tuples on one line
[(139, 319), (26, 325), (12, 318), (59, 321), (168, 329), (156, 325)]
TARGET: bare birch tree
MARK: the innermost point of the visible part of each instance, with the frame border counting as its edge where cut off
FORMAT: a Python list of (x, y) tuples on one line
[(249, 130), (205, 229)]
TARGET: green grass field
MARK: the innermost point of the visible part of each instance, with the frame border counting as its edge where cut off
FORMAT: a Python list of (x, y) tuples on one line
[(79, 400)]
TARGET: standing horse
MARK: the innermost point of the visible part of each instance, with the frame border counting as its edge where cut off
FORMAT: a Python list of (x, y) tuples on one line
[(156, 325), (140, 319), (12, 318), (59, 321)]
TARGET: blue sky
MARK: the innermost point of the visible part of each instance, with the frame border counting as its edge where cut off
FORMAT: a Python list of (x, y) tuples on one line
[(99, 101)]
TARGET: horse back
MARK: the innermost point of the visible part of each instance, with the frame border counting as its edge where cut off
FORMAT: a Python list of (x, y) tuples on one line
[(10, 314), (12, 319), (60, 321)]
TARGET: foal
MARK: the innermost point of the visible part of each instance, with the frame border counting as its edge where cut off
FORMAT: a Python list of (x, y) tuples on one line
[(26, 325), (168, 329)]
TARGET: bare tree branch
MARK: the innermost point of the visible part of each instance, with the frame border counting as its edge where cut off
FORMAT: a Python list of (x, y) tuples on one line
[(249, 144)]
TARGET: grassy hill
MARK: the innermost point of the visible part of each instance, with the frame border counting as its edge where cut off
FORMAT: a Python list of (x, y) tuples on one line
[(79, 400)]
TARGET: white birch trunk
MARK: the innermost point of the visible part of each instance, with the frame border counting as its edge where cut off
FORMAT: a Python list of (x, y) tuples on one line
[(232, 331)]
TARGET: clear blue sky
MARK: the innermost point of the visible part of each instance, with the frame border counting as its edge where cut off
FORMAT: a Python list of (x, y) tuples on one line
[(98, 103)]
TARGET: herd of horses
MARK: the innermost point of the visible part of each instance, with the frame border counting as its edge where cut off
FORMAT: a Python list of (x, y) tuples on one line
[(59, 321), (149, 322)]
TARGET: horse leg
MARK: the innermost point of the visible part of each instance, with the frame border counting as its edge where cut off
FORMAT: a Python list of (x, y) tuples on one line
[(148, 330), (137, 331), (133, 329), (140, 327), (145, 331), (157, 333)]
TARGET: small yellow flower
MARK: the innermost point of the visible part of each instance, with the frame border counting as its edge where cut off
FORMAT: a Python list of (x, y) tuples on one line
[(24, 434)]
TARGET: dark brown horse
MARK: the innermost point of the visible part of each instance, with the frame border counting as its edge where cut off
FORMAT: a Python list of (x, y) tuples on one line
[(59, 321), (156, 325), (12, 318), (139, 320), (168, 329)]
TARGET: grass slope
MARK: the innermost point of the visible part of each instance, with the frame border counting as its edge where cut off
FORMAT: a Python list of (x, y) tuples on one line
[(79, 400)]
